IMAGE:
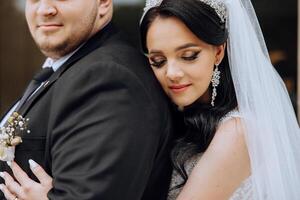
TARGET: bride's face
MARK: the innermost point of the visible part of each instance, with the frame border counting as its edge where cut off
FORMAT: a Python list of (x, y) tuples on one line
[(182, 62)]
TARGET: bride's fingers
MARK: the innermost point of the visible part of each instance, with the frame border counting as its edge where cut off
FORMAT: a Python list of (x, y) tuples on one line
[(10, 183), (8, 194), (20, 175), (40, 173)]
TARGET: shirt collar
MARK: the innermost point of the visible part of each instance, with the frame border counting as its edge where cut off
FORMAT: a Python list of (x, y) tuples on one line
[(56, 64)]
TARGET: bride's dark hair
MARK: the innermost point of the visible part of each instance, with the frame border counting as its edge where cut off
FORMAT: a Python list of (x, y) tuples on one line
[(201, 119)]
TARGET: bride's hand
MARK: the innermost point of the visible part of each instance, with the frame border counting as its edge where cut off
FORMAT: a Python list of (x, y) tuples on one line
[(25, 188)]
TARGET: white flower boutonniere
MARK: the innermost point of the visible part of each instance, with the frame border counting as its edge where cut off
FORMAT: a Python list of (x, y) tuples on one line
[(10, 136)]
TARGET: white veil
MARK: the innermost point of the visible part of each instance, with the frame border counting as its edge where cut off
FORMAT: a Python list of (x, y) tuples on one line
[(272, 131)]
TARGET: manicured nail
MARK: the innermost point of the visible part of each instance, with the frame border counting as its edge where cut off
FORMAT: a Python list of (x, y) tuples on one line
[(2, 174), (9, 163), (1, 187), (32, 164)]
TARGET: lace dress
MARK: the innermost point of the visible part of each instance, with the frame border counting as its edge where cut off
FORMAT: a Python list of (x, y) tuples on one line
[(243, 192)]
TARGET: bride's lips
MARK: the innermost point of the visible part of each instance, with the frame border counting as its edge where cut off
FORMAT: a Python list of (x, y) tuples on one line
[(179, 88)]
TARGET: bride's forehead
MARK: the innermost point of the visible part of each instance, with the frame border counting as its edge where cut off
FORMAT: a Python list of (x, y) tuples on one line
[(170, 33), (170, 27)]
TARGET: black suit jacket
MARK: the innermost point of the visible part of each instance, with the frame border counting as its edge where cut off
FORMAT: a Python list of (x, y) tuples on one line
[(101, 127)]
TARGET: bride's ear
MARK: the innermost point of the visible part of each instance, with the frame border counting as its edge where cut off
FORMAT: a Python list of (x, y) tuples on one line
[(220, 52)]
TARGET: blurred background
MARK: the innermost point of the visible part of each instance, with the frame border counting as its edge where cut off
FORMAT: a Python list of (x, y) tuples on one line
[(20, 58)]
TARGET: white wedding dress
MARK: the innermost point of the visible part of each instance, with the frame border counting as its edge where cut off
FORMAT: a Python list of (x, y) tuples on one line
[(243, 192)]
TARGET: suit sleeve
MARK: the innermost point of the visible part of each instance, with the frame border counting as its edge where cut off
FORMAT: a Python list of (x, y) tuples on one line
[(105, 133)]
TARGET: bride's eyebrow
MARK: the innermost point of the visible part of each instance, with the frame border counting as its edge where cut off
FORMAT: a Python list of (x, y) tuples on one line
[(186, 46), (177, 48), (154, 51)]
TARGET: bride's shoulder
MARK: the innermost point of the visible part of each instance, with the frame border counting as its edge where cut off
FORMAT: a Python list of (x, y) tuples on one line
[(231, 123), (224, 164), (230, 136)]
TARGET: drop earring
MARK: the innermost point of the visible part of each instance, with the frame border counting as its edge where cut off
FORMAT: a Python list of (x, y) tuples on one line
[(215, 81)]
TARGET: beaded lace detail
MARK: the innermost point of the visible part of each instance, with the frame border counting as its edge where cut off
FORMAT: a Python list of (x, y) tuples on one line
[(243, 192)]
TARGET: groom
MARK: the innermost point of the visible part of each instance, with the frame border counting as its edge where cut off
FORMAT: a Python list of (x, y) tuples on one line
[(99, 124)]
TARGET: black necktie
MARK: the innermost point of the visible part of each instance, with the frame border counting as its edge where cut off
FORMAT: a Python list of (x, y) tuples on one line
[(40, 77)]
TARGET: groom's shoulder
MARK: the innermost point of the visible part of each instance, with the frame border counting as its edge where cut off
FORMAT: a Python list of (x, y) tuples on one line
[(121, 50), (120, 55)]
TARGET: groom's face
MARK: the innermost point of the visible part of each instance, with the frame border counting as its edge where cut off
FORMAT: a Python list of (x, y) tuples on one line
[(59, 27)]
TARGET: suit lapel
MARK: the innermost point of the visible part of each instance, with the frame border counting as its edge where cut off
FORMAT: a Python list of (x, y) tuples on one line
[(95, 42), (7, 111)]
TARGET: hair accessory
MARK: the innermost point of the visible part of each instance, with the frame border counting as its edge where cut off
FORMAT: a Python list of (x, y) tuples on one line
[(217, 5)]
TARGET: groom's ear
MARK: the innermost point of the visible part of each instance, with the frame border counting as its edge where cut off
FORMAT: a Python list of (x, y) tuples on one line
[(105, 7)]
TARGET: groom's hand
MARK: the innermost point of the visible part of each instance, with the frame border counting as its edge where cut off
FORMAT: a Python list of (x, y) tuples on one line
[(25, 188)]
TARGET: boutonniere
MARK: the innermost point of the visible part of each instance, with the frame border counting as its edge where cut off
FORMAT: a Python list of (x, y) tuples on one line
[(10, 135)]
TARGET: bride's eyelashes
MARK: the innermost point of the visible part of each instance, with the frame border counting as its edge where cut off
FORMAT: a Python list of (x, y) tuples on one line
[(188, 56), (157, 61)]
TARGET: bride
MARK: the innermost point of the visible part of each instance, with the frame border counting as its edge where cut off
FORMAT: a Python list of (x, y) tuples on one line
[(242, 140)]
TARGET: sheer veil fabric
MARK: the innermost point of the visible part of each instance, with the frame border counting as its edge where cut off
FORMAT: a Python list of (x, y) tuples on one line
[(271, 127)]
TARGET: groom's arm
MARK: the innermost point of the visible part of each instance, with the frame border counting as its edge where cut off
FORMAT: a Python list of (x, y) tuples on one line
[(105, 136)]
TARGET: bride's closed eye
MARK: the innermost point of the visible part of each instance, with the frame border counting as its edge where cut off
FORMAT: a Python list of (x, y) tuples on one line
[(190, 55), (157, 61)]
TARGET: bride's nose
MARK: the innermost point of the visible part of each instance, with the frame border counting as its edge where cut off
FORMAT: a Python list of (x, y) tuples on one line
[(174, 71)]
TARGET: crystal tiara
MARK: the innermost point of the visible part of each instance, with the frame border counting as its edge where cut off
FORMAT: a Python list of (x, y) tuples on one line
[(217, 5)]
